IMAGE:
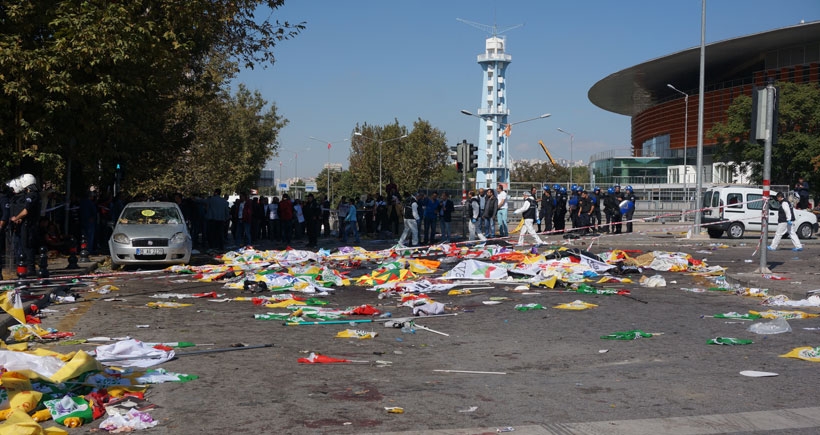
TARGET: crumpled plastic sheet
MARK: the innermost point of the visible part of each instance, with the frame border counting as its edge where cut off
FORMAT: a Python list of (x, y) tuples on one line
[(784, 301), (128, 422), (46, 366), (132, 353), (776, 326), (428, 309), (653, 281)]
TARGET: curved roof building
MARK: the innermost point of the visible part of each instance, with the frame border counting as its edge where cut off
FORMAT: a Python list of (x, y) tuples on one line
[(661, 117)]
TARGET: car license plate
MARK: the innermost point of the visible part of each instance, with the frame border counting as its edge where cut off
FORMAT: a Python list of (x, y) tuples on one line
[(150, 251)]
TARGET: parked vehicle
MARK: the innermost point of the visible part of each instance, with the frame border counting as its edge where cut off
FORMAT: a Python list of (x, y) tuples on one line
[(734, 210), (150, 233)]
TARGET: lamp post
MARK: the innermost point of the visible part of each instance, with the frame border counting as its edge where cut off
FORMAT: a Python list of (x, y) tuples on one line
[(685, 140), (380, 142), (327, 168), (296, 161), (571, 162), (488, 118)]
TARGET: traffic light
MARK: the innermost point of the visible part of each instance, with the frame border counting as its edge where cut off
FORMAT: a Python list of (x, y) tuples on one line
[(472, 158), (459, 150)]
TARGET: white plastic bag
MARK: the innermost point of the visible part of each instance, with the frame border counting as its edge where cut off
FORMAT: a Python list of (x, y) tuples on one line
[(776, 326)]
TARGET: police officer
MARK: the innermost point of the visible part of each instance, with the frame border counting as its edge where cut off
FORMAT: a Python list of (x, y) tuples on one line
[(547, 207), (560, 213), (630, 207), (24, 214), (596, 199), (610, 209), (585, 208), (573, 205)]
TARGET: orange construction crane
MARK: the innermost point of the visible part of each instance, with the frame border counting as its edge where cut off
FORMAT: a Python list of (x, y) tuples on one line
[(546, 151)]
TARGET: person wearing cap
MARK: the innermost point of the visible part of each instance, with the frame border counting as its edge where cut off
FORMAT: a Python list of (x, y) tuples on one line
[(785, 220), (528, 211), (545, 213)]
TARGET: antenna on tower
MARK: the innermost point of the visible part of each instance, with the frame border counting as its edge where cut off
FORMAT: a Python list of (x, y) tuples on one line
[(492, 30)]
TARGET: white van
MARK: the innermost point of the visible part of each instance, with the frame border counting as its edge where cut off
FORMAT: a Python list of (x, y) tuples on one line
[(735, 210)]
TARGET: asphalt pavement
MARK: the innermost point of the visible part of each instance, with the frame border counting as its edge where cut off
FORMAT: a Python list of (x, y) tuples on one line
[(497, 369)]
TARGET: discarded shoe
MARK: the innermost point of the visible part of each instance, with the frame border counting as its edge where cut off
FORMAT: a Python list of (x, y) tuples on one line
[(797, 249)]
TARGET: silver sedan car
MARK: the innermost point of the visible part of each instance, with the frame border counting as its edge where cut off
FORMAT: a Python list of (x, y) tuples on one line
[(150, 233)]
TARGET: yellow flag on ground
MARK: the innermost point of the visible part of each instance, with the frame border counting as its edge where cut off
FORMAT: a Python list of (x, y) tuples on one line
[(518, 227), (805, 353), (11, 303)]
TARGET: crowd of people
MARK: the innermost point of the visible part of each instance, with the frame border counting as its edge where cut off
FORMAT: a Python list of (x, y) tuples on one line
[(487, 213), (31, 218)]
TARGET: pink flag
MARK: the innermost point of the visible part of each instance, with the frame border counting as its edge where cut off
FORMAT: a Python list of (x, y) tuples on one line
[(328, 145)]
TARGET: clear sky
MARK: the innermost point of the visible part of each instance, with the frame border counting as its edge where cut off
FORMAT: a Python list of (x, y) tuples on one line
[(376, 61)]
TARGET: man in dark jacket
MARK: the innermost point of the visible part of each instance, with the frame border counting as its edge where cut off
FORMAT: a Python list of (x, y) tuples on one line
[(559, 216), (490, 209), (545, 213), (313, 219)]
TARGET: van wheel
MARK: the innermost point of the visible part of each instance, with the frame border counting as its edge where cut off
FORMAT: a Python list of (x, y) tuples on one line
[(713, 233), (735, 230), (804, 231)]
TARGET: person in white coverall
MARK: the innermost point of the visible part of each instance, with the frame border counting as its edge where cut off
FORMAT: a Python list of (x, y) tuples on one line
[(785, 221), (528, 212)]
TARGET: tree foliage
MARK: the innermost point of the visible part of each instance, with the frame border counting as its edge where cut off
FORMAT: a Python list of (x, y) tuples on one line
[(410, 162), (101, 81), (797, 151), (234, 134), (544, 172)]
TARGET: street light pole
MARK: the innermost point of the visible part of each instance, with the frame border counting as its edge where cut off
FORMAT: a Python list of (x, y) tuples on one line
[(685, 142), (571, 162), (380, 152), (327, 168)]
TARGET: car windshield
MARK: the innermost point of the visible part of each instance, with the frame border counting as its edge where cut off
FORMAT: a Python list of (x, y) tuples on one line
[(149, 215)]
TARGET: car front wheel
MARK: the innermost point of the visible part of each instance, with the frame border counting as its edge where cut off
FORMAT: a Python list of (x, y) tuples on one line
[(804, 231), (735, 230)]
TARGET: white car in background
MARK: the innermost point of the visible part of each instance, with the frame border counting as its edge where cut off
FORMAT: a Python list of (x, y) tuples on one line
[(734, 210), (150, 233)]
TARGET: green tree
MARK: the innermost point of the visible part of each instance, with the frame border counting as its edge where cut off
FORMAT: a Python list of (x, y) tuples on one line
[(797, 151), (98, 81), (411, 162), (234, 134), (544, 172)]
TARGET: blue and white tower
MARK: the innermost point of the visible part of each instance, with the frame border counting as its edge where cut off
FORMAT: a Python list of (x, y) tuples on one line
[(493, 156)]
